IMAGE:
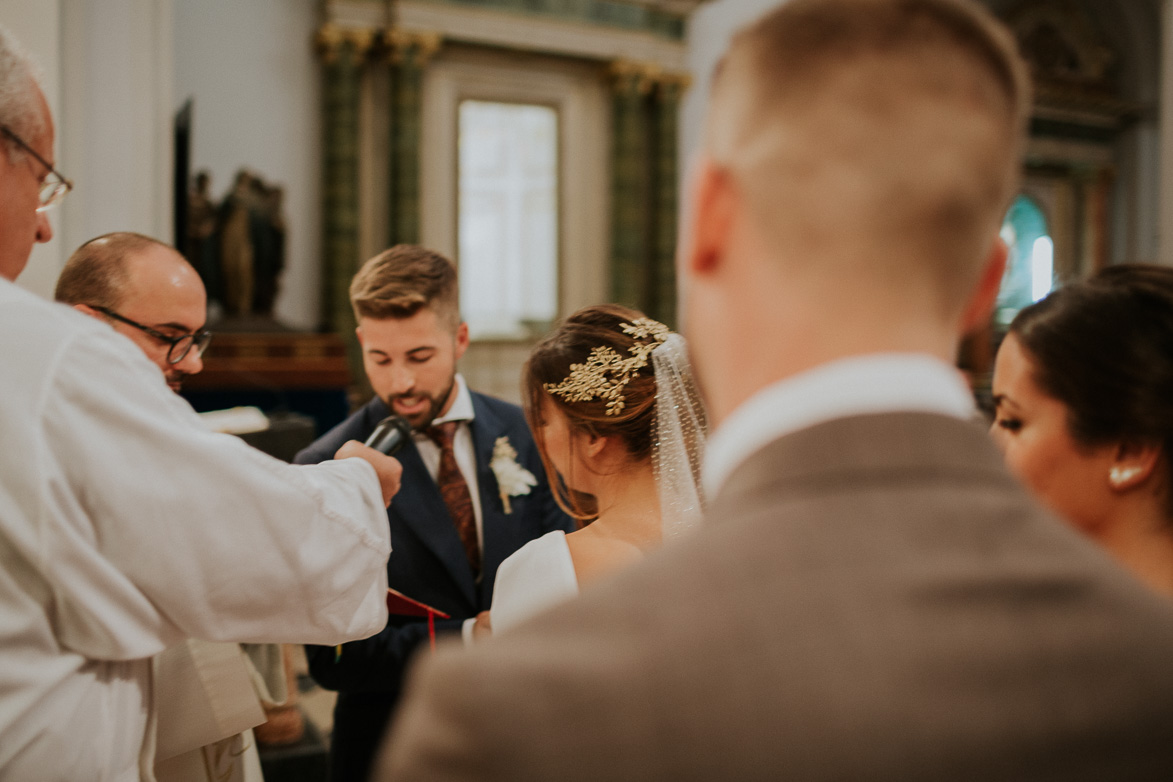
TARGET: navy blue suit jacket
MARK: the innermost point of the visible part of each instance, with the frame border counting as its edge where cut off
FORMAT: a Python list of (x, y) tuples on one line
[(428, 564)]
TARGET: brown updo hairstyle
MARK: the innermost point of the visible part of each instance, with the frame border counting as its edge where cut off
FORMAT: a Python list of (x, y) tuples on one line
[(549, 362), (1104, 348)]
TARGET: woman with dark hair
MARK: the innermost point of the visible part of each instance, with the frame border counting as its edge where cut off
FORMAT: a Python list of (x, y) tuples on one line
[(617, 418), (1083, 389)]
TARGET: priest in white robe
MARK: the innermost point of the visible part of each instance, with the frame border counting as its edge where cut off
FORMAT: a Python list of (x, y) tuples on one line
[(125, 527)]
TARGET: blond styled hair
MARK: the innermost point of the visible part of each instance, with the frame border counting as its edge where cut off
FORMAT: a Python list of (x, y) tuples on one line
[(898, 124), (399, 282)]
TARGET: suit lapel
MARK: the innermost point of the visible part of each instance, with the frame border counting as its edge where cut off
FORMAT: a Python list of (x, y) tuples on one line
[(498, 542), (421, 507)]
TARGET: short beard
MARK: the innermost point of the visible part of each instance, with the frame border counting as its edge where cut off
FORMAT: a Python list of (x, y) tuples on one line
[(432, 412), (177, 378)]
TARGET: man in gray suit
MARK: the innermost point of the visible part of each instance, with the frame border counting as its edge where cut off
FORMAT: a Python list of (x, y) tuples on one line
[(873, 597)]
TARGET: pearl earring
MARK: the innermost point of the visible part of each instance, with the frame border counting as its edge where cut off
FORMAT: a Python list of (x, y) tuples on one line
[(1118, 476)]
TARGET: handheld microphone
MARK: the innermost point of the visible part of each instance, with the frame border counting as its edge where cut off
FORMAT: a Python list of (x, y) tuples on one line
[(390, 435)]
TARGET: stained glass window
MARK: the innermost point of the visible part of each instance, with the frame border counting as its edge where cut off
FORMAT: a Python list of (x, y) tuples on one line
[(1030, 268)]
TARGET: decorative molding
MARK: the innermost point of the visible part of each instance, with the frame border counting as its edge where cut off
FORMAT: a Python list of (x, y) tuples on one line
[(627, 75), (373, 14), (650, 30), (419, 47), (647, 77), (330, 38), (539, 34), (665, 19), (1042, 151), (1061, 42)]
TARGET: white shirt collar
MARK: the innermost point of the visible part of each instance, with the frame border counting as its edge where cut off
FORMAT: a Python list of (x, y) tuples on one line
[(876, 383), (461, 409)]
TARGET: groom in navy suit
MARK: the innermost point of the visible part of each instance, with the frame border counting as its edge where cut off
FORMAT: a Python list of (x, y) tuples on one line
[(452, 522)]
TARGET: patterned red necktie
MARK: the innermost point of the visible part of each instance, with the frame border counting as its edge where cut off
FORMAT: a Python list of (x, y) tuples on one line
[(455, 492)]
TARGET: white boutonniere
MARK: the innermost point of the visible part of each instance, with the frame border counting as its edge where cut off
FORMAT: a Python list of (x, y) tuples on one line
[(512, 479)]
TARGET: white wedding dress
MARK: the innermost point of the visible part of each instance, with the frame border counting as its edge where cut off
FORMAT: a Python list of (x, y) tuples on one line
[(537, 576)]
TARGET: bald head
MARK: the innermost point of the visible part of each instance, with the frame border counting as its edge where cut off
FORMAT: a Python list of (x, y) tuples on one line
[(881, 128), (98, 272), (143, 280)]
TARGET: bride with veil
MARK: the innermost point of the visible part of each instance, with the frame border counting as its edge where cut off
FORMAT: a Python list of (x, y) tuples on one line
[(615, 412)]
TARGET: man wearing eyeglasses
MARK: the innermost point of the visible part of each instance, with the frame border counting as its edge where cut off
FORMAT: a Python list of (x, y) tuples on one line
[(147, 292), (126, 526), (31, 186), (150, 294)]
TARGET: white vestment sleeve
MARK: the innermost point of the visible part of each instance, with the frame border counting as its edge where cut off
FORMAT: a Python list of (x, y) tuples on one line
[(164, 530)]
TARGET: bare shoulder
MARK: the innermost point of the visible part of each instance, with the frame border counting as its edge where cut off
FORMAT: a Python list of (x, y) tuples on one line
[(595, 554)]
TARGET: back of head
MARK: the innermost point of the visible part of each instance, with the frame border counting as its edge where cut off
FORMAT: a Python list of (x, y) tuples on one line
[(20, 109), (399, 282), (1104, 348), (864, 129), (96, 274), (580, 370)]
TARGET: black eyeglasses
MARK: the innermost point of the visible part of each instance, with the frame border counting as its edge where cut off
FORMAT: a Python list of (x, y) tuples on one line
[(55, 186), (180, 346)]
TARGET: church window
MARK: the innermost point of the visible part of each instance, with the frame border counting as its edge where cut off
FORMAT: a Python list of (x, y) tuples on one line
[(1030, 267), (507, 218)]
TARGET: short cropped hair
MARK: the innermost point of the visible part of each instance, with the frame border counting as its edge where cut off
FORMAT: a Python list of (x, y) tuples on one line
[(96, 272), (399, 282), (901, 122), (20, 110)]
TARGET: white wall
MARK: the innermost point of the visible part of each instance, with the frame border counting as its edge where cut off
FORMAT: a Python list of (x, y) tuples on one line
[(709, 32), (251, 70), (106, 72), (115, 118)]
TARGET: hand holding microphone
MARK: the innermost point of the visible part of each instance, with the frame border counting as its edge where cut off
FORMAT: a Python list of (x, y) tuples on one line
[(389, 436)]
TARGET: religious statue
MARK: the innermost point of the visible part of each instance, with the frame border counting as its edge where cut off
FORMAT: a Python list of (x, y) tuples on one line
[(238, 246)]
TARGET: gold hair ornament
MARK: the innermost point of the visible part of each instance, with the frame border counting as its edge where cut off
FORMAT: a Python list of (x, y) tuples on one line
[(605, 374)]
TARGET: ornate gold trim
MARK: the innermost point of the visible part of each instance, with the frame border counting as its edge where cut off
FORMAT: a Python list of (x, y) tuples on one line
[(330, 38), (645, 77), (402, 44)]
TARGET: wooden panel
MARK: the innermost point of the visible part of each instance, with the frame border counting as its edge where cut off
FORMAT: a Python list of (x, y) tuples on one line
[(272, 360)]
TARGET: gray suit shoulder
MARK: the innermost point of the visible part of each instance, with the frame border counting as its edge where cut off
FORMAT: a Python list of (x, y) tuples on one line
[(920, 627)]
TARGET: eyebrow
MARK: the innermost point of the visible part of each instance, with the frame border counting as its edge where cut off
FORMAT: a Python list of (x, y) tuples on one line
[(413, 351), (178, 327)]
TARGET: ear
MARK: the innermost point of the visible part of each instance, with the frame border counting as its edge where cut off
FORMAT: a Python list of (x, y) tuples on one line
[(86, 309), (713, 207), (358, 333), (593, 445), (1133, 465), (461, 339), (981, 302)]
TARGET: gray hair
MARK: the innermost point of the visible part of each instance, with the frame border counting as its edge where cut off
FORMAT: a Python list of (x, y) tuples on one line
[(20, 110)]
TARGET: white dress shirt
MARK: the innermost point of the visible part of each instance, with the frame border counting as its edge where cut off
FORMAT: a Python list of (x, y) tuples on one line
[(126, 526), (875, 383)]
